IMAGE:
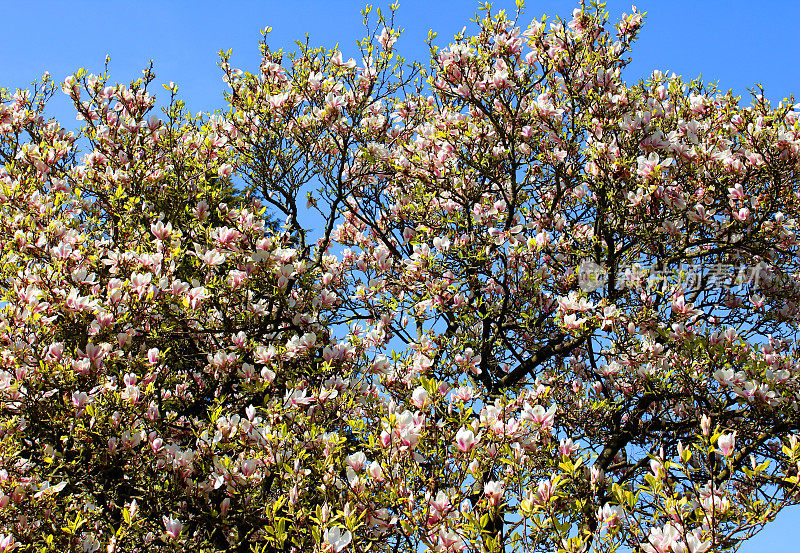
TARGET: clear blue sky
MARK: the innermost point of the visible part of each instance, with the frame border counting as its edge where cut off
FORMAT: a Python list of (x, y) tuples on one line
[(731, 42)]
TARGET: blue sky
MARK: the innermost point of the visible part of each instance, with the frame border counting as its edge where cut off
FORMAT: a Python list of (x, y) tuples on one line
[(724, 41)]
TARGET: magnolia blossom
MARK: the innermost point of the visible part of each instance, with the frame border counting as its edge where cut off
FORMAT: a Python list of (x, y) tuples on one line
[(419, 397), (375, 471), (574, 302), (357, 460), (408, 429), (494, 490), (7, 542), (466, 440), (463, 393), (662, 540), (545, 490), (540, 415), (438, 507), (726, 443), (610, 515), (153, 356), (225, 170), (567, 447), (387, 38), (705, 425), (173, 526), (573, 322), (334, 540), (297, 398), (692, 542), (450, 541), (81, 399), (160, 230)]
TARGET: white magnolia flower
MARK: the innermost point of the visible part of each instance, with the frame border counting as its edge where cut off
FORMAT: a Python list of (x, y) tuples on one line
[(334, 540)]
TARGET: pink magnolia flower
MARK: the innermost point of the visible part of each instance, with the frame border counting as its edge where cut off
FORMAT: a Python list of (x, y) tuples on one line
[(610, 514), (700, 215), (439, 507), (173, 526), (545, 490), (679, 304), (153, 356), (450, 541), (7, 542), (95, 353), (646, 165), (225, 170), (409, 428), (55, 351), (226, 237), (705, 425), (539, 415), (419, 397), (357, 460), (212, 258), (736, 192), (387, 38), (337, 61), (160, 230), (742, 215), (574, 302), (567, 447), (661, 540), (80, 399), (249, 467), (248, 371), (141, 283), (726, 443), (376, 471), (297, 397), (572, 322), (463, 393), (133, 509), (195, 297), (694, 544), (466, 440), (201, 210), (494, 491)]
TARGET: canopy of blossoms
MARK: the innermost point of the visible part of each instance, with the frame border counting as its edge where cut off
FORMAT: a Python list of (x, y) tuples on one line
[(504, 302)]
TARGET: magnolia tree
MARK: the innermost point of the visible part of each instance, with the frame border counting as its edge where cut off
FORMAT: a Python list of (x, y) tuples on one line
[(510, 303)]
